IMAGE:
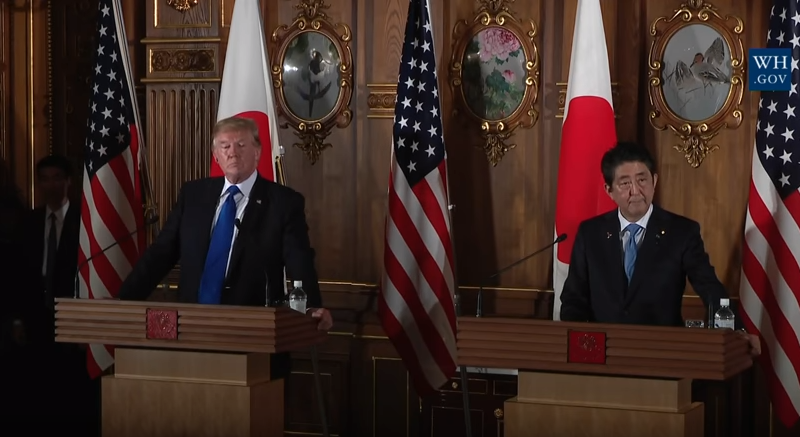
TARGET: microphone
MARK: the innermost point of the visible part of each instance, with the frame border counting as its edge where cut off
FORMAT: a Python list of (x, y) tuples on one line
[(479, 312), (147, 222)]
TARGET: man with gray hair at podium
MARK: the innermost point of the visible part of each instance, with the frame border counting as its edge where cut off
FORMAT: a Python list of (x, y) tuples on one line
[(233, 236)]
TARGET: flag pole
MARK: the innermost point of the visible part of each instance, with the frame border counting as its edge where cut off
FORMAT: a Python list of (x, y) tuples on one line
[(150, 206), (456, 289)]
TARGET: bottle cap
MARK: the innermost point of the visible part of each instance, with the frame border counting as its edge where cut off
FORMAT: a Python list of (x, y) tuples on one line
[(298, 284), (724, 302)]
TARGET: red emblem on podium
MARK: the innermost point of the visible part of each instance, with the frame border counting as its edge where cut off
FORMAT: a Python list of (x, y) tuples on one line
[(587, 347), (162, 324)]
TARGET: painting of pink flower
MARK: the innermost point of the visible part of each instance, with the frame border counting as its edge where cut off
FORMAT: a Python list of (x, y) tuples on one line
[(494, 73), (496, 42)]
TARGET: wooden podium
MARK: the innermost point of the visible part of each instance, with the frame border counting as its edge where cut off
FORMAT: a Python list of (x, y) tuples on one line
[(188, 369), (598, 380)]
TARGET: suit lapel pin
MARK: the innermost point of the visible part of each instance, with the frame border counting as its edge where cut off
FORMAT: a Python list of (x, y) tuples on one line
[(608, 235), (258, 201)]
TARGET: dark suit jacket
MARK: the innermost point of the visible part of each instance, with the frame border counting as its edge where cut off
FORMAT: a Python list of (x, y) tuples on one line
[(273, 234), (33, 238), (597, 290), (67, 256)]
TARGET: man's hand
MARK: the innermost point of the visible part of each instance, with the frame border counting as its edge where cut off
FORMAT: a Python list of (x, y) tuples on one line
[(324, 316), (755, 343)]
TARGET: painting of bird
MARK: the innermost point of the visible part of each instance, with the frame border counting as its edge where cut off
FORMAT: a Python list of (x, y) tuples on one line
[(696, 88), (706, 67)]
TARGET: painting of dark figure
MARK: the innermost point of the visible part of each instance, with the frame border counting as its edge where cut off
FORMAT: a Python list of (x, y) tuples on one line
[(311, 76)]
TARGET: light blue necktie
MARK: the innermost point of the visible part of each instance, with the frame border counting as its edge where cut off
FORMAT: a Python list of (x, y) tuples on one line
[(217, 258), (630, 249)]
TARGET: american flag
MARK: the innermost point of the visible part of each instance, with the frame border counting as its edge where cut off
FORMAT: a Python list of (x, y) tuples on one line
[(112, 193), (770, 285), (416, 302)]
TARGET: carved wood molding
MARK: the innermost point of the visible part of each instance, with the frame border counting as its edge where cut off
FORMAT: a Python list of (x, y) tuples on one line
[(562, 98), (181, 15), (381, 100), (182, 60), (182, 5)]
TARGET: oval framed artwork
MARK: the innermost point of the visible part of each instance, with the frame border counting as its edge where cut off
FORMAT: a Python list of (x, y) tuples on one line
[(696, 77), (313, 76), (494, 75)]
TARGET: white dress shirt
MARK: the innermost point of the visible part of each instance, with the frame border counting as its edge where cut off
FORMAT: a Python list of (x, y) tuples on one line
[(245, 187), (623, 223), (60, 214)]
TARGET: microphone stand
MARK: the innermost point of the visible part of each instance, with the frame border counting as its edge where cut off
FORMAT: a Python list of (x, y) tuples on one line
[(153, 212), (479, 311), (462, 370), (318, 387)]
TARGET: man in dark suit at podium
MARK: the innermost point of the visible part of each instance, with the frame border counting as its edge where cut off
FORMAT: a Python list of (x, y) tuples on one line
[(233, 236), (630, 265)]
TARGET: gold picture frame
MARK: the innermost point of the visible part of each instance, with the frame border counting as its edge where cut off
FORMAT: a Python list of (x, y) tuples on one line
[(696, 76), (313, 66), (494, 74)]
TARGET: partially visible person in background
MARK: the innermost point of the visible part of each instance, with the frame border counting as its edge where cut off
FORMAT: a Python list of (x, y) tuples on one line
[(11, 206), (16, 353), (50, 239), (12, 212)]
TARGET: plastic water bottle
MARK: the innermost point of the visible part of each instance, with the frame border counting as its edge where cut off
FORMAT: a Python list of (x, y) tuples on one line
[(724, 317), (297, 298)]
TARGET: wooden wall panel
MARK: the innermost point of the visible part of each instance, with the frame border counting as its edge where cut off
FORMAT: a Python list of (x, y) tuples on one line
[(27, 129), (6, 148), (181, 97), (381, 40)]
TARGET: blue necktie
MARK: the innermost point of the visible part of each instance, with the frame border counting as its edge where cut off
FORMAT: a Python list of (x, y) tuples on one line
[(630, 249), (217, 257)]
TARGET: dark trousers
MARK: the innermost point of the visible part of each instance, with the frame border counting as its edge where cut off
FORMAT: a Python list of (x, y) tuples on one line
[(46, 391)]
